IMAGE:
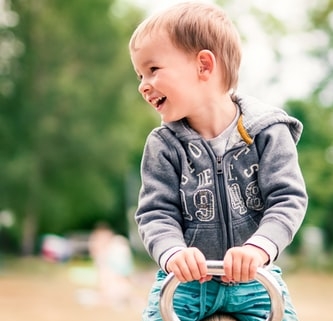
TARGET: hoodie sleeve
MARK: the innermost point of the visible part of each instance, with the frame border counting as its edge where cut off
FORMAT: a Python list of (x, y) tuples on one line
[(282, 186), (158, 215)]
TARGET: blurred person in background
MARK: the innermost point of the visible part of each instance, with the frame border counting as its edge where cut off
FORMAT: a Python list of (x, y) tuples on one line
[(112, 257)]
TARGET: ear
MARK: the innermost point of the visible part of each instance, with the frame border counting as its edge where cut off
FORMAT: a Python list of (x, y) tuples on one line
[(206, 63)]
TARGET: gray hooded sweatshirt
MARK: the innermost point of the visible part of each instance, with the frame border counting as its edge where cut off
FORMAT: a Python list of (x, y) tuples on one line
[(253, 194)]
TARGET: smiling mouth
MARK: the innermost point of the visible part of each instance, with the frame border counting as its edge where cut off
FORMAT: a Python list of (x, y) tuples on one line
[(158, 101)]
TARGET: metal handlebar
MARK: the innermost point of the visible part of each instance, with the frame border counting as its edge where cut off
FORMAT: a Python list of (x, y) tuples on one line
[(216, 268)]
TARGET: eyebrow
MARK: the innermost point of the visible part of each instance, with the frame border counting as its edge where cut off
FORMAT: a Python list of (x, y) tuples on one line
[(145, 64), (148, 62)]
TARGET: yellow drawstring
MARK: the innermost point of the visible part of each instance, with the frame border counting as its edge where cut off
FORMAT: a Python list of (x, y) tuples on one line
[(244, 134)]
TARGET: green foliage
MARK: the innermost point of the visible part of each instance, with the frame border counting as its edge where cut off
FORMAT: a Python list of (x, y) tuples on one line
[(316, 159), (316, 113), (70, 125)]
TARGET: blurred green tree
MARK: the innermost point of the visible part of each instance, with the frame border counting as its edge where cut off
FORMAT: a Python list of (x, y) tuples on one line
[(316, 159), (69, 121), (316, 113)]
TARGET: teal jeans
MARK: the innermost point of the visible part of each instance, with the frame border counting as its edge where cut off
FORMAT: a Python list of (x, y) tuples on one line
[(194, 301)]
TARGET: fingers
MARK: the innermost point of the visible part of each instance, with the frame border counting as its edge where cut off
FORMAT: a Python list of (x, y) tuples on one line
[(240, 265), (205, 279), (188, 265)]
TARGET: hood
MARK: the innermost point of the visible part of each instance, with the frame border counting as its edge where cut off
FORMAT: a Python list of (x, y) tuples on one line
[(255, 117)]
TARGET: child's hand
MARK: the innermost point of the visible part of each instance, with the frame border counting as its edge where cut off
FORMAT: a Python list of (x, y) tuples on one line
[(241, 263), (189, 264)]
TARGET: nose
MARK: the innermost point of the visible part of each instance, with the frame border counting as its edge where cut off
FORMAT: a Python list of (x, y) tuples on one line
[(144, 87)]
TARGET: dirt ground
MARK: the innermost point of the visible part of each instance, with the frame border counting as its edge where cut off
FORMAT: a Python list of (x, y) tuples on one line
[(31, 291)]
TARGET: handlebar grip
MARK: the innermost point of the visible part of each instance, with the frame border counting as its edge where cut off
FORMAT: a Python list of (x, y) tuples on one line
[(216, 268)]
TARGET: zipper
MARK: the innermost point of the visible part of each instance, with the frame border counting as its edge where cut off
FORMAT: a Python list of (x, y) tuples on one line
[(226, 226), (219, 165), (224, 203), (221, 195)]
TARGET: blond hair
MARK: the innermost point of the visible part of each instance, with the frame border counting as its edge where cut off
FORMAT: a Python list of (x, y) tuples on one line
[(195, 26)]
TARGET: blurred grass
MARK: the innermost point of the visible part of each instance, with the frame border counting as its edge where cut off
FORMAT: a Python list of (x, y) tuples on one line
[(46, 291), (30, 265), (35, 290)]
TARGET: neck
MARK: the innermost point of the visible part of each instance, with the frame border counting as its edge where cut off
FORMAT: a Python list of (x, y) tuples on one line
[(214, 118)]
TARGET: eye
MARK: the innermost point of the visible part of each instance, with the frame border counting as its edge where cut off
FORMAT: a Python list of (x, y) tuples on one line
[(153, 69), (139, 77)]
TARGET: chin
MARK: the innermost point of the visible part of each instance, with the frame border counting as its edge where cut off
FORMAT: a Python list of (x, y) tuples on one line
[(168, 119)]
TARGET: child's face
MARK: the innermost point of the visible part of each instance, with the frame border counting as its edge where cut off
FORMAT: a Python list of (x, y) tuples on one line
[(168, 77)]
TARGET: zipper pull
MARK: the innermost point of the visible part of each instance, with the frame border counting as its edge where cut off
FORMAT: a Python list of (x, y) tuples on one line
[(219, 164)]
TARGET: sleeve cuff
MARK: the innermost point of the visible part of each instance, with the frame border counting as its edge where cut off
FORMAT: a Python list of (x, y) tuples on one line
[(265, 244), (166, 256)]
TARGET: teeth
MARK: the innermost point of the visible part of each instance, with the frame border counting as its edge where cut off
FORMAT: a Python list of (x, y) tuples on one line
[(157, 101)]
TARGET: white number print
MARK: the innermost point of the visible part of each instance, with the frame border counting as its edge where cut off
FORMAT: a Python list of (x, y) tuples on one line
[(253, 197), (204, 202)]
